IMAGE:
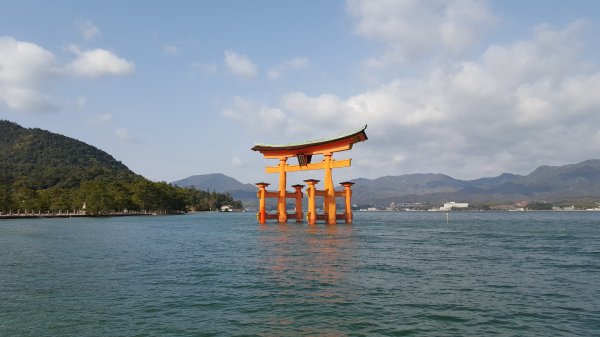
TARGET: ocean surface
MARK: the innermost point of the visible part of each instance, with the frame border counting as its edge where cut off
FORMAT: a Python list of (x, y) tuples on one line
[(222, 274)]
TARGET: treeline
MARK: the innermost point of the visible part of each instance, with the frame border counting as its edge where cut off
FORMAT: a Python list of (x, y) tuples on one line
[(41, 171), (103, 197)]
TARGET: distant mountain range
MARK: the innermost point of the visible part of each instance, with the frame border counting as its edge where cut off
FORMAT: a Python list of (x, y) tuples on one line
[(546, 183), (221, 183)]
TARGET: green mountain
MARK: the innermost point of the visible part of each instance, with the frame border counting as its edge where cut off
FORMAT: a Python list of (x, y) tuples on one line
[(42, 171), (41, 159)]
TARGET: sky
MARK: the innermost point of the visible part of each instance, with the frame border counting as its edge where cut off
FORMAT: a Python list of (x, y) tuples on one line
[(470, 89)]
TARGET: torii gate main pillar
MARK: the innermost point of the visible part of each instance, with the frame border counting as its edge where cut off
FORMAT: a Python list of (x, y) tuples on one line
[(281, 204), (329, 202)]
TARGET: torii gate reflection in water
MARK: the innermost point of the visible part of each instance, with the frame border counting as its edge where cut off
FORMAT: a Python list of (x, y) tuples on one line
[(304, 152)]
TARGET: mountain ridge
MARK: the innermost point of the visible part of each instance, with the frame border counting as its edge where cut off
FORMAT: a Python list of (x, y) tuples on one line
[(545, 183), (221, 183)]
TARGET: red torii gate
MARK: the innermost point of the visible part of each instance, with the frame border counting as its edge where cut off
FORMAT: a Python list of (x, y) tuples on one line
[(304, 153)]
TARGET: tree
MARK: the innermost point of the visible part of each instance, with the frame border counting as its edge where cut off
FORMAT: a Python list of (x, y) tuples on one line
[(6, 202), (539, 206)]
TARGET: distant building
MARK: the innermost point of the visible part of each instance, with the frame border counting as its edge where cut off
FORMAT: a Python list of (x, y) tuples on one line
[(227, 208), (450, 205), (568, 208)]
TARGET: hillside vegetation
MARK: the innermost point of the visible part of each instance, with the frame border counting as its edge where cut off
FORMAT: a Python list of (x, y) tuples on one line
[(47, 172)]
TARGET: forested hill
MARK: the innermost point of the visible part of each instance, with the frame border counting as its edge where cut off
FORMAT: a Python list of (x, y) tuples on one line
[(41, 159), (46, 172)]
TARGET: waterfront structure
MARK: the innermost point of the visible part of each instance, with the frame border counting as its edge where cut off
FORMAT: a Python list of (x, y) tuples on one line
[(448, 206), (304, 152)]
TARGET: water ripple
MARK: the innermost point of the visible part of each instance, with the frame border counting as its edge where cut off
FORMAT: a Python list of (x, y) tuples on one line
[(389, 274)]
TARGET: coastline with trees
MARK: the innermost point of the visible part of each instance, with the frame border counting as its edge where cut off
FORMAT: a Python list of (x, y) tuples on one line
[(47, 173)]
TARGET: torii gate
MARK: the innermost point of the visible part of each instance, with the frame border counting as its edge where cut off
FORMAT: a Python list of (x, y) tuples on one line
[(304, 152)]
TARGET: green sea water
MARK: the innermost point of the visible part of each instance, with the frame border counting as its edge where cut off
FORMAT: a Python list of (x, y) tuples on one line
[(222, 274)]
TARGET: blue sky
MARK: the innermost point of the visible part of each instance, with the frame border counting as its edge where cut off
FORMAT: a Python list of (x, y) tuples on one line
[(172, 89)]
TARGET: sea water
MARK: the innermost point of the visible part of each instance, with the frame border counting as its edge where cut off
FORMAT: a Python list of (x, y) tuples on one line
[(222, 274)]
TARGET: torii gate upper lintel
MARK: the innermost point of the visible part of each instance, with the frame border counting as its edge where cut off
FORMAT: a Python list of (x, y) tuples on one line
[(304, 152)]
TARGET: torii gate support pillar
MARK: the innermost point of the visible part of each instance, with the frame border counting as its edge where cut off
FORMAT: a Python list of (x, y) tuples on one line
[(348, 200), (311, 214), (262, 202), (298, 197)]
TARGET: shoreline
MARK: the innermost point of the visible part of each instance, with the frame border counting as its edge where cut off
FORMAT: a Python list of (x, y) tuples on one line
[(78, 215)]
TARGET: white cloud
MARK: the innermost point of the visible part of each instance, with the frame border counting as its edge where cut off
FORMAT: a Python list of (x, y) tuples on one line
[(26, 99), (125, 135), (24, 62), (24, 69), (257, 116), (240, 65), (122, 133), (105, 119), (236, 162), (412, 29), (99, 62), (88, 30), (205, 68), (519, 105), (27, 71), (81, 102), (172, 50), (291, 64)]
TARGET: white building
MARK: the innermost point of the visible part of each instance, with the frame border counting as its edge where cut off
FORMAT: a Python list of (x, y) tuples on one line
[(450, 205), (227, 208)]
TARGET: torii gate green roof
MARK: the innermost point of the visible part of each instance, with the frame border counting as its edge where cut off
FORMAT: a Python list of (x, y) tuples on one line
[(350, 137)]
